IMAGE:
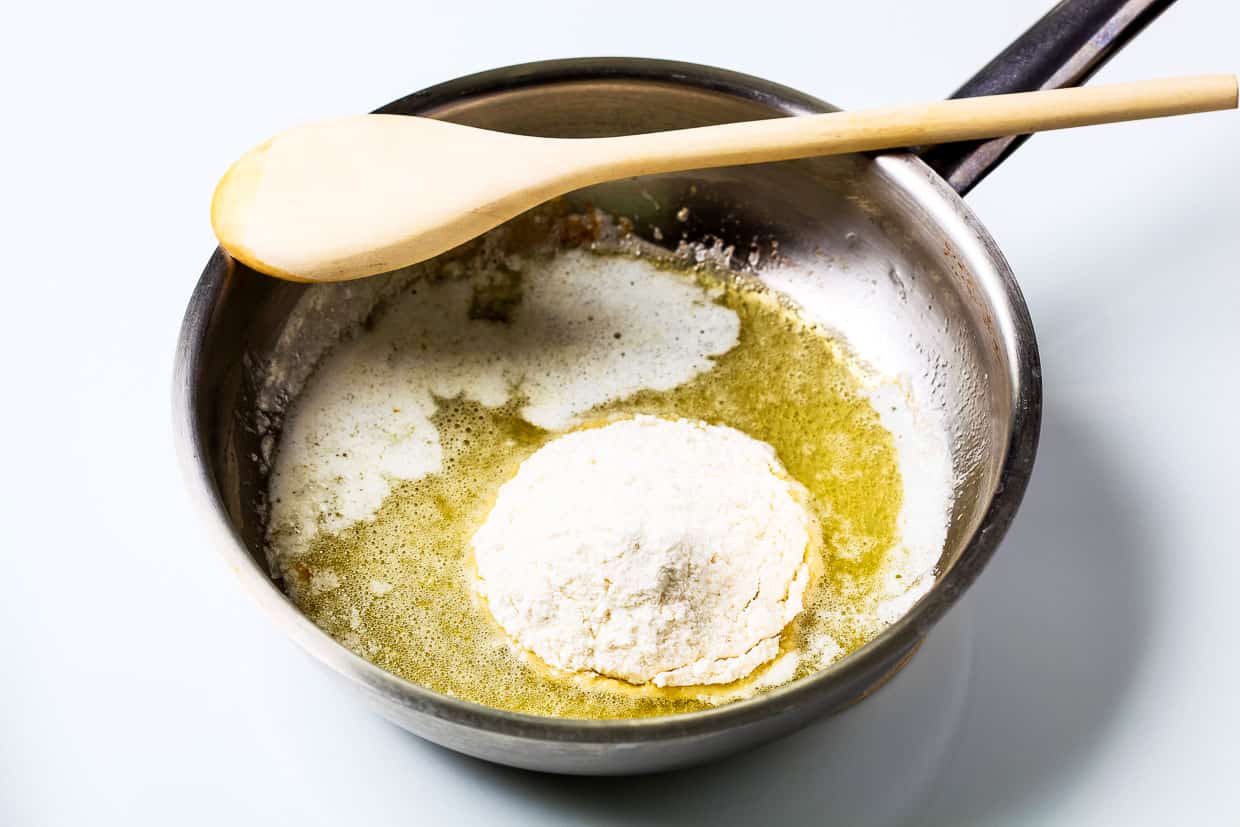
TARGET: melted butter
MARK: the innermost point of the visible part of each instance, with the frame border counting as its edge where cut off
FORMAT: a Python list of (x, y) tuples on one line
[(398, 591)]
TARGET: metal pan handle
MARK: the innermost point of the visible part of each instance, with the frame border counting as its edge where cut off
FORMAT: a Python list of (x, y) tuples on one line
[(1064, 48)]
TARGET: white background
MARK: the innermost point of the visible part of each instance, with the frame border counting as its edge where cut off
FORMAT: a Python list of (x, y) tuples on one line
[(1088, 678)]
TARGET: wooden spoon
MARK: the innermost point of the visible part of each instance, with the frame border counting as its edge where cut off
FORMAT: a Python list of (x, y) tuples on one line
[(349, 197)]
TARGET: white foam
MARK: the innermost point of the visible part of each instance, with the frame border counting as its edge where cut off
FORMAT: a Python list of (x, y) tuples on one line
[(589, 329), (925, 462)]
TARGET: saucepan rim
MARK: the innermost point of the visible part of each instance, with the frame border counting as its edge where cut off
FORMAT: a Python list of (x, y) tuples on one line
[(1013, 332)]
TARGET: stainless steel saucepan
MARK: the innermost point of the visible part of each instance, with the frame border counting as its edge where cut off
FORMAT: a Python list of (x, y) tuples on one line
[(888, 253)]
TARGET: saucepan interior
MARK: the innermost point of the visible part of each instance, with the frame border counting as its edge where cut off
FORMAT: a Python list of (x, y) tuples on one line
[(875, 247)]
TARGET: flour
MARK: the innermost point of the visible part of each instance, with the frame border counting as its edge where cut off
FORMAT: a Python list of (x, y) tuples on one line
[(649, 550)]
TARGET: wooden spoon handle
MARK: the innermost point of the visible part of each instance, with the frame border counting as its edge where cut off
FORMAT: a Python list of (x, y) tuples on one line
[(779, 139)]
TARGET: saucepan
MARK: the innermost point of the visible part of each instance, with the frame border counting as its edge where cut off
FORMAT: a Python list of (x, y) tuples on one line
[(888, 253)]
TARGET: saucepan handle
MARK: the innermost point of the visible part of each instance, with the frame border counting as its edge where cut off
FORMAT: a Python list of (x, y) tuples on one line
[(1064, 48)]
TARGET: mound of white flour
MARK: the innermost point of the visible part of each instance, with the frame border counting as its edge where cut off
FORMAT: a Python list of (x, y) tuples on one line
[(649, 550)]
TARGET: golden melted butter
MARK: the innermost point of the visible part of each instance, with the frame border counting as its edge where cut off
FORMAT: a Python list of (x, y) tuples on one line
[(398, 590)]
